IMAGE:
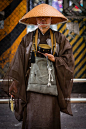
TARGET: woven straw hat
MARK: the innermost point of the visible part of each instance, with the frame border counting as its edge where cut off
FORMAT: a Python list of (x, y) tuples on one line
[(43, 10)]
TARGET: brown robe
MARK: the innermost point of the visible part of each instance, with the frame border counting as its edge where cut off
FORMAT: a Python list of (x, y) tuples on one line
[(64, 68)]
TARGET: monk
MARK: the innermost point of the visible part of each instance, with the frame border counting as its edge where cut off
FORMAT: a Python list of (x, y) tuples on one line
[(42, 71)]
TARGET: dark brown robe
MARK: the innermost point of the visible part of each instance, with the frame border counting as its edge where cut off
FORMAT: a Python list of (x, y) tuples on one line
[(49, 107)]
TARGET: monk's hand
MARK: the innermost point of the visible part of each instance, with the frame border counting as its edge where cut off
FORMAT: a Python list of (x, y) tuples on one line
[(50, 57), (13, 88)]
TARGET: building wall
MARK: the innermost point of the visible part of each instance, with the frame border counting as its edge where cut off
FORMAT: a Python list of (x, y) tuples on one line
[(75, 31), (12, 32)]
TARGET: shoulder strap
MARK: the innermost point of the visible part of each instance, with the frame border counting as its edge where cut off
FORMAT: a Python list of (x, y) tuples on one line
[(53, 41), (35, 39)]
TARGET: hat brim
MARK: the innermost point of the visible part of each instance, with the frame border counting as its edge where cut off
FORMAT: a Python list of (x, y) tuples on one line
[(43, 10)]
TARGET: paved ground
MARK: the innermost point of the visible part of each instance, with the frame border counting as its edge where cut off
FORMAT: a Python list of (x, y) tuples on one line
[(77, 121)]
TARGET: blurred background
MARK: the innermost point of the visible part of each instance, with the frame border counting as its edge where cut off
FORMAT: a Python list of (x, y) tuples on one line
[(11, 33)]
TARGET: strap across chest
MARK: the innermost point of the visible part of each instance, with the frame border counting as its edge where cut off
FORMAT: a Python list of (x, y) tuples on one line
[(53, 42)]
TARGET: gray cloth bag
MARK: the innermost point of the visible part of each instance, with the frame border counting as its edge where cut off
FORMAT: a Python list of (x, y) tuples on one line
[(38, 79)]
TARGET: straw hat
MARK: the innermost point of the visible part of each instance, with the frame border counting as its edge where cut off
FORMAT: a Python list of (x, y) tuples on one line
[(43, 10)]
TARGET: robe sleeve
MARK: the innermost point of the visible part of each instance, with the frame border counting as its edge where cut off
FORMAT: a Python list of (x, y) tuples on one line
[(16, 72), (64, 67), (17, 64)]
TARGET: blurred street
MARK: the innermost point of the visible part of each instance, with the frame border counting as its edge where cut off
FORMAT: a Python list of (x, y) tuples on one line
[(77, 121), (78, 104)]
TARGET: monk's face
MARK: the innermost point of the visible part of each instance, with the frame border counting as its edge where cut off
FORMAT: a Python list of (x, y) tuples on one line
[(43, 22)]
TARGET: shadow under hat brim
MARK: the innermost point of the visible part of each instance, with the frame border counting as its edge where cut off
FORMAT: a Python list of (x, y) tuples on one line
[(33, 21)]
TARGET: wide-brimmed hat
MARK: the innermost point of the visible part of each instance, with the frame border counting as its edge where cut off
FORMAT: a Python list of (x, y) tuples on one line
[(43, 10)]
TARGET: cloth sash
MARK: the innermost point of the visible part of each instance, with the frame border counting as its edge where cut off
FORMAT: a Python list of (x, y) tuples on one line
[(38, 78)]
